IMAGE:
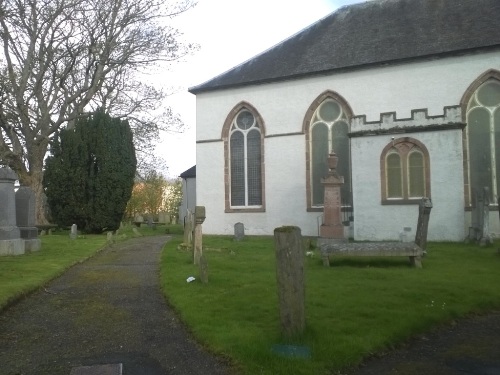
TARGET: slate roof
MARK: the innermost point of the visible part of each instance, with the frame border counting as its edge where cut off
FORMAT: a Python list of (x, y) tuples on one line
[(372, 33), (188, 173)]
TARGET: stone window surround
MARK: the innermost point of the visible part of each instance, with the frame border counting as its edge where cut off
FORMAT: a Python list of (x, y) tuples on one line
[(328, 94), (227, 168), (464, 103), (404, 158)]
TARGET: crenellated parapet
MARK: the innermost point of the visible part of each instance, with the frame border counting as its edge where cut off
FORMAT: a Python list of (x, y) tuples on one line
[(419, 121)]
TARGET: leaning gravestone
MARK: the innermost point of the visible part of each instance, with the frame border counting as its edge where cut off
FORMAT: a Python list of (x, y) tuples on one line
[(10, 236), (25, 216), (239, 231), (290, 279)]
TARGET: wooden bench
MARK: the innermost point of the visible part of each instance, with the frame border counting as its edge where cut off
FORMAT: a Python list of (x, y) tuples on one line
[(373, 249)]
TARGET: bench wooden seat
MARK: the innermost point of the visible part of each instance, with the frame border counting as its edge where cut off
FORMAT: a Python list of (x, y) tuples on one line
[(373, 249)]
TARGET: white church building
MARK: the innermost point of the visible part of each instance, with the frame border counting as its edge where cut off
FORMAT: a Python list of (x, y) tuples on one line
[(405, 92)]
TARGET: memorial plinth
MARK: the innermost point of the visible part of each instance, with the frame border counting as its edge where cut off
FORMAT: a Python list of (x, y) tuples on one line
[(10, 238)]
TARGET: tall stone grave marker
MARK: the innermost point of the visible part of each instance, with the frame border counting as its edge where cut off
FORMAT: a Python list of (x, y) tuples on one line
[(290, 279), (25, 216), (199, 217), (10, 236), (332, 229), (424, 211), (188, 228)]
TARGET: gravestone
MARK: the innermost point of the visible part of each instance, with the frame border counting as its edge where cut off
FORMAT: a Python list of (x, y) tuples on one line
[(188, 228), (199, 217), (162, 217), (332, 229), (10, 236), (479, 231), (203, 269), (25, 218), (485, 212), (74, 232), (290, 279), (424, 212), (239, 231)]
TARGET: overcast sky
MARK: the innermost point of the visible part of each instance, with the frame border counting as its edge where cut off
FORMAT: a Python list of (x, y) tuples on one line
[(229, 32)]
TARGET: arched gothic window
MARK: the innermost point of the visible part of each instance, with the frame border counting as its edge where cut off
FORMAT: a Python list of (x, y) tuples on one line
[(243, 135), (328, 131), (483, 138), (404, 165)]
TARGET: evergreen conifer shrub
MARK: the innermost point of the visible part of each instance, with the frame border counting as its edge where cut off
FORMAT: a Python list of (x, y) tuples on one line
[(90, 173)]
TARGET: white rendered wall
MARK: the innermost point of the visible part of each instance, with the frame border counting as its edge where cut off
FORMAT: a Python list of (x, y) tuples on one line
[(400, 88), (374, 221)]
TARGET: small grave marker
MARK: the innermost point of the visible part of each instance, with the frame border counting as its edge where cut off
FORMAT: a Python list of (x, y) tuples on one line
[(239, 231), (74, 232)]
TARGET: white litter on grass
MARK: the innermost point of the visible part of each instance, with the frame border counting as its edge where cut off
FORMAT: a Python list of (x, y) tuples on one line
[(310, 254), (190, 278)]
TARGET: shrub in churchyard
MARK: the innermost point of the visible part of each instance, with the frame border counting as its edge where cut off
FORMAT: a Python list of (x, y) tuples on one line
[(90, 173)]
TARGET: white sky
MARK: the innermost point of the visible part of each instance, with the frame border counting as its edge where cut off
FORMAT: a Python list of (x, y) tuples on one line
[(229, 32)]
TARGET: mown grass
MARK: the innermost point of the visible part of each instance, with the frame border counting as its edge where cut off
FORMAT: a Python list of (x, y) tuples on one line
[(22, 274), (355, 308)]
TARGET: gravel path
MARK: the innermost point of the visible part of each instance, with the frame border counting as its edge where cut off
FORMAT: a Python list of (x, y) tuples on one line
[(107, 310)]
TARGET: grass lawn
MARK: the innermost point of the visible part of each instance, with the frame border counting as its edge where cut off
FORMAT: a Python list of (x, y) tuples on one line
[(22, 274), (354, 308)]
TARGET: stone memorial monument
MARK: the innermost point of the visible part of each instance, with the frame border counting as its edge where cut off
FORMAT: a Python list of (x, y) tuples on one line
[(199, 218), (332, 229), (10, 236), (25, 218)]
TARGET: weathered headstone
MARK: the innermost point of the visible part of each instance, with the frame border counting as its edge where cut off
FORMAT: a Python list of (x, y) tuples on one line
[(485, 212), (74, 232), (136, 232), (424, 211), (10, 236), (203, 269), (290, 279), (138, 220), (239, 231), (162, 217), (25, 218), (188, 228), (199, 217)]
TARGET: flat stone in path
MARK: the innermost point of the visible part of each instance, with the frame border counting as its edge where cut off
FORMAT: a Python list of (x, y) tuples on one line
[(114, 369), (107, 310)]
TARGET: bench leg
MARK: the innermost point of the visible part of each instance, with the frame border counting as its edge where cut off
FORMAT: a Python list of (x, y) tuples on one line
[(326, 260), (416, 262)]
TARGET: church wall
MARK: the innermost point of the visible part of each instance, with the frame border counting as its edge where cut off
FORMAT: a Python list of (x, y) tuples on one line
[(400, 88)]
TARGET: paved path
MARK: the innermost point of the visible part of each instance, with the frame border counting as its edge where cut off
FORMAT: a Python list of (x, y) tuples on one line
[(107, 310)]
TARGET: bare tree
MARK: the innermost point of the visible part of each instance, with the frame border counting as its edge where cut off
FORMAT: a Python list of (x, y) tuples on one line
[(64, 58)]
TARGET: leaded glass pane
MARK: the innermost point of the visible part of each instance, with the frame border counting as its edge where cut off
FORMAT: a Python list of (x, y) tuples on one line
[(329, 111), (237, 169), (479, 149), (245, 120), (319, 145), (394, 176), (254, 168), (416, 175), (489, 94), (340, 145)]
